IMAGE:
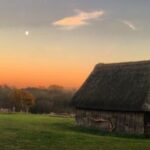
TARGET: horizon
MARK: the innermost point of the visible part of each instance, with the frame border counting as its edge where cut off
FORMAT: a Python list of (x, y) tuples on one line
[(52, 42)]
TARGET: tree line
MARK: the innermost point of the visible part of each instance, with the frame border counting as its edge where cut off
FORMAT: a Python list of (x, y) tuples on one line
[(36, 99)]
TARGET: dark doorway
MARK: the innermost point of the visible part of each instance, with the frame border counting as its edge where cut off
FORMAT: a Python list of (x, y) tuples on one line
[(147, 123)]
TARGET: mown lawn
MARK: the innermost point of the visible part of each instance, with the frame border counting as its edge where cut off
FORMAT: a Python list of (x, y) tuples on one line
[(41, 132)]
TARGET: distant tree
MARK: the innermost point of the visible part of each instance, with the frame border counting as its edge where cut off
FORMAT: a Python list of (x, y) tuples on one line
[(4, 100), (28, 100), (23, 100)]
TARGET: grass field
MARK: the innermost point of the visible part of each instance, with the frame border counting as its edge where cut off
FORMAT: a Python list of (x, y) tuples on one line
[(41, 132)]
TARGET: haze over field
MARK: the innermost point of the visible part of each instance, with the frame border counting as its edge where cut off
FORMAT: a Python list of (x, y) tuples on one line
[(45, 42)]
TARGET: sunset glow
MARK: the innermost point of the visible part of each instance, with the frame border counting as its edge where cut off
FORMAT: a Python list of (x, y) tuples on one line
[(59, 42)]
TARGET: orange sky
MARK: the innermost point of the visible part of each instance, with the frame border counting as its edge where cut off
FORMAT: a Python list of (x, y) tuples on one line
[(23, 75), (60, 41), (35, 61)]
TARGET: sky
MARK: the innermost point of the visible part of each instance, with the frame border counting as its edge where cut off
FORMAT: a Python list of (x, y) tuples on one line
[(45, 42)]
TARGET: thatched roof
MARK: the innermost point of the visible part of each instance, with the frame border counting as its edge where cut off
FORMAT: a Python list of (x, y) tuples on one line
[(117, 86)]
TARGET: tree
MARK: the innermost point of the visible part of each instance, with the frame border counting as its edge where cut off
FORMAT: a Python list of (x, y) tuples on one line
[(22, 100)]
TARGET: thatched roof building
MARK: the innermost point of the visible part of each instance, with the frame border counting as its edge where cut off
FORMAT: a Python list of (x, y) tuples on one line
[(116, 87)]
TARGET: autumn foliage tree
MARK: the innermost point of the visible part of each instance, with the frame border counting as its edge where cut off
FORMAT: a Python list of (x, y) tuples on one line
[(22, 100)]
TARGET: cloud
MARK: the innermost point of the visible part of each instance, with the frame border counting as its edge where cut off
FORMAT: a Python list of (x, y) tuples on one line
[(81, 18), (129, 24)]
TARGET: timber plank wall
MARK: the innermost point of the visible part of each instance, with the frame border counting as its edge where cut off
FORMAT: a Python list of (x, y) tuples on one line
[(119, 122)]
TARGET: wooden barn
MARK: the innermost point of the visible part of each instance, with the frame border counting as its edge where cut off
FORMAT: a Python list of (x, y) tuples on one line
[(116, 98)]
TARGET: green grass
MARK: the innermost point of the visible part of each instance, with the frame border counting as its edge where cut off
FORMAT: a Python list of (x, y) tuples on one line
[(41, 132)]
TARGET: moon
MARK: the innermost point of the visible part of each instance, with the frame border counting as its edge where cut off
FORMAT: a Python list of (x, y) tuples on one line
[(26, 33)]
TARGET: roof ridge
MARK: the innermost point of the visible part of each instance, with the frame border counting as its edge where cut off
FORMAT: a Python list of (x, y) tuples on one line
[(125, 63)]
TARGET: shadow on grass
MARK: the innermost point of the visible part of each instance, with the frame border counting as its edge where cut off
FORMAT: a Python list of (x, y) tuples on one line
[(86, 130)]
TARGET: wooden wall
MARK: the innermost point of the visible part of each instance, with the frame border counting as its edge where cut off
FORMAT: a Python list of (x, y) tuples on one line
[(120, 122)]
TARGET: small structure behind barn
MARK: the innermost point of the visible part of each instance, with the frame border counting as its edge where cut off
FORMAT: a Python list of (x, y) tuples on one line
[(116, 98)]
